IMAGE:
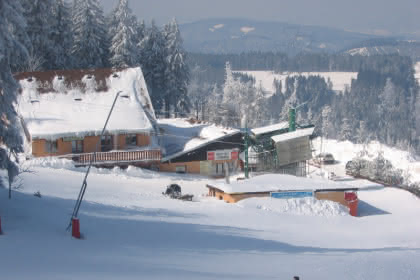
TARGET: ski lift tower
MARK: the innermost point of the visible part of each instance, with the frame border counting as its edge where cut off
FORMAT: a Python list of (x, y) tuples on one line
[(292, 116)]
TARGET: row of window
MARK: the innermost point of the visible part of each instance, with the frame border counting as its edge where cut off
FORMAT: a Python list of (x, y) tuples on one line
[(107, 144)]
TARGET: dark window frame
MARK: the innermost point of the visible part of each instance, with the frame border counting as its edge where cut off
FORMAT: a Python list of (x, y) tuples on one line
[(51, 147), (107, 143), (77, 146), (131, 140)]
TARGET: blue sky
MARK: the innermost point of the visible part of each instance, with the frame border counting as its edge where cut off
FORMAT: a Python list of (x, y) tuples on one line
[(380, 16)]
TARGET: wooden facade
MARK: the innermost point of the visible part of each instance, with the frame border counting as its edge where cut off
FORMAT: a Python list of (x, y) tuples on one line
[(234, 197), (81, 149), (195, 161), (206, 167), (346, 197)]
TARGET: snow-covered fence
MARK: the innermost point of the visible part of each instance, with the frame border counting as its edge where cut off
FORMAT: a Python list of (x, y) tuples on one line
[(116, 157)]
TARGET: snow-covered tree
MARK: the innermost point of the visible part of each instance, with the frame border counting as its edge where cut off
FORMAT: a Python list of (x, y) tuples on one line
[(19, 56), (61, 37), (198, 93), (326, 123), (141, 31), (123, 28), (257, 108), (10, 137), (90, 47), (152, 60), (230, 106), (176, 70), (38, 15), (346, 132)]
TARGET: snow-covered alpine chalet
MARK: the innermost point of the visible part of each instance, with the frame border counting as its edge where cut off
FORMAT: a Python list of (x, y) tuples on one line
[(63, 113)]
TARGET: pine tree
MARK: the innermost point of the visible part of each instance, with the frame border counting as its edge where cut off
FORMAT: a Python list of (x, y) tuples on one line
[(123, 30), (258, 108), (176, 70), (346, 130), (90, 46), (61, 37), (152, 60), (38, 14), (10, 137), (230, 107), (19, 56)]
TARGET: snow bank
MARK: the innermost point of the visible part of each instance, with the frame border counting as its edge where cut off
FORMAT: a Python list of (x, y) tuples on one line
[(300, 206), (278, 182), (65, 164)]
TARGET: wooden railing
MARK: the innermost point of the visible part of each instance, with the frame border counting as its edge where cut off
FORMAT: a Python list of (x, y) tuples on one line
[(116, 157)]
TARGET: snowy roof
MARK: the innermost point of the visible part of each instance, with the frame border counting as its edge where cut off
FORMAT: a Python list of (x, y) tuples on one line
[(179, 136), (57, 104), (278, 182), (293, 135), (269, 128)]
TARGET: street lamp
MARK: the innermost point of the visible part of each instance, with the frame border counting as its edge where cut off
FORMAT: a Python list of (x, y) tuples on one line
[(92, 159)]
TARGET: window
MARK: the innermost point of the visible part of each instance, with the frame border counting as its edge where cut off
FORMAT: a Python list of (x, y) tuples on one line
[(106, 143), (220, 169), (180, 169), (77, 146), (51, 147), (131, 140)]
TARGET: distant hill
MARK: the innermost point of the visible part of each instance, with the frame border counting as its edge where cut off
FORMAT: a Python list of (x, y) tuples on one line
[(386, 46), (242, 35)]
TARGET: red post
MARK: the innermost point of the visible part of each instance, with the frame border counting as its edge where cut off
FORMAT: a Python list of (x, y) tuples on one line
[(352, 202), (75, 228)]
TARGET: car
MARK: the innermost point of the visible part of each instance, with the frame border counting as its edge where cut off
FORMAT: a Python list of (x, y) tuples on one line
[(325, 158)]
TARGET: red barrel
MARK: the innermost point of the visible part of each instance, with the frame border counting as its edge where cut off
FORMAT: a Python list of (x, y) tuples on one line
[(75, 228), (352, 202)]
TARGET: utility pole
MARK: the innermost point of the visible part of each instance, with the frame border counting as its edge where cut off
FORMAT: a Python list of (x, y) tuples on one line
[(292, 119), (246, 150)]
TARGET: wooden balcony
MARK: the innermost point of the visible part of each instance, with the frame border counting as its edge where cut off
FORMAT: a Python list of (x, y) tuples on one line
[(116, 157)]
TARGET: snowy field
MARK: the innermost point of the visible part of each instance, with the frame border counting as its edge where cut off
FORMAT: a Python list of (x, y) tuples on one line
[(343, 151), (131, 231), (417, 71), (339, 80)]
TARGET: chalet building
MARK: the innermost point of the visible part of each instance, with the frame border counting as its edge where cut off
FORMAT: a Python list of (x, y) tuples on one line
[(63, 113), (211, 156)]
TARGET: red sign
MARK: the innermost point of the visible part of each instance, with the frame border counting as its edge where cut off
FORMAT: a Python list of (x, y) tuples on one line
[(223, 155), (210, 155), (234, 155)]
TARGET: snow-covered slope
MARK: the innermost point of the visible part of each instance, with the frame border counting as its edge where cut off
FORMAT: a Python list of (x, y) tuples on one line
[(339, 80), (343, 151), (131, 231)]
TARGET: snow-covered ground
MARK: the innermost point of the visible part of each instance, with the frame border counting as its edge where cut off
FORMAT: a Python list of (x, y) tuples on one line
[(417, 71), (339, 80), (131, 231), (343, 151)]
